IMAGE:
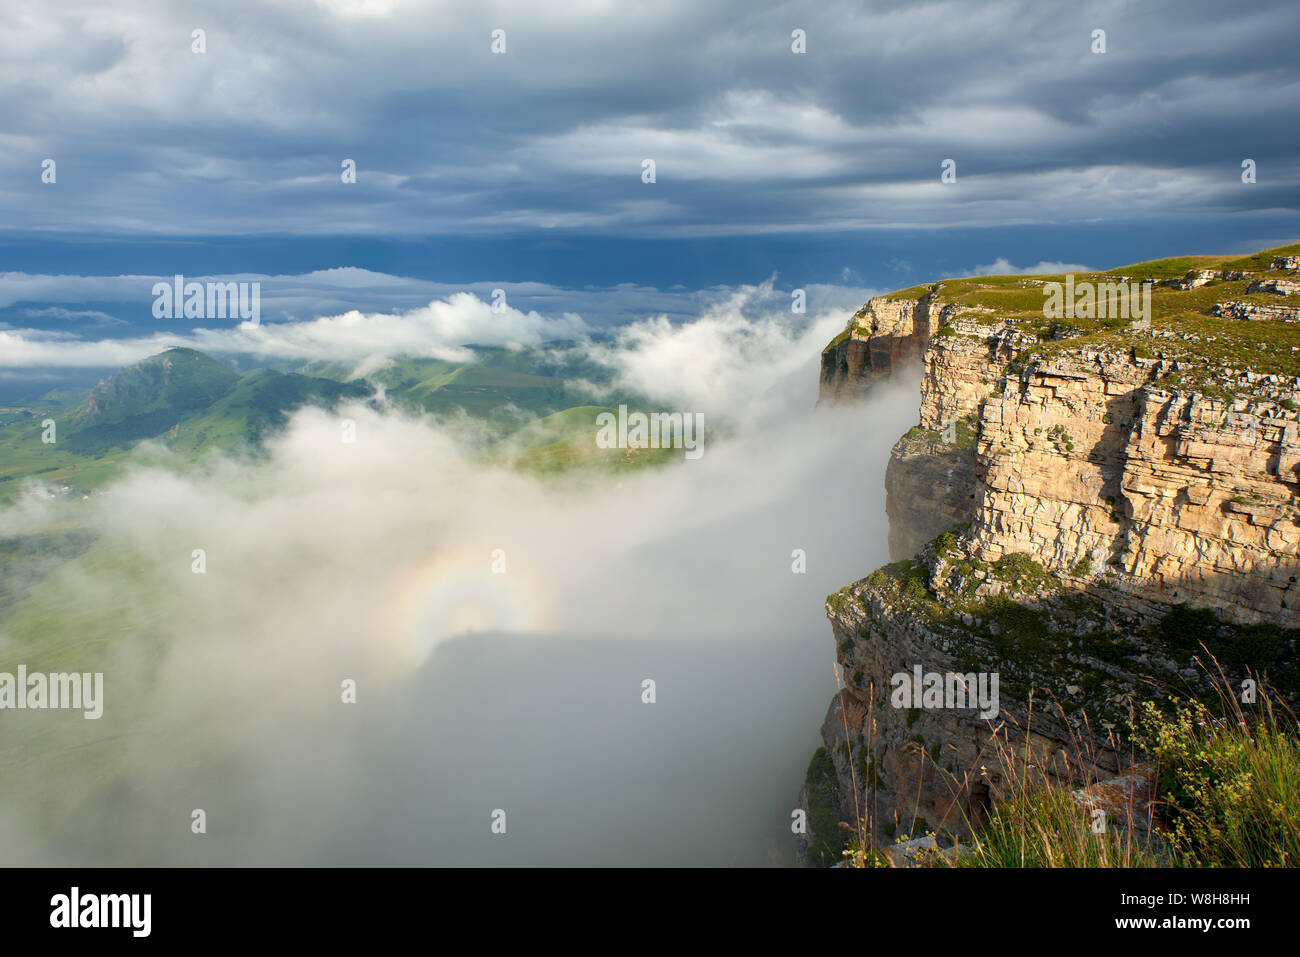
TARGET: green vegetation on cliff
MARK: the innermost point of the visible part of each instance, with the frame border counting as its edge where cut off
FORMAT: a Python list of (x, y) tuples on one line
[(1228, 783), (1182, 324), (1047, 828), (965, 433), (827, 845), (1226, 794)]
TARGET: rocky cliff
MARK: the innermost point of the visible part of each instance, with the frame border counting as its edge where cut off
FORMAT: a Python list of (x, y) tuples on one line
[(1083, 504), (885, 334)]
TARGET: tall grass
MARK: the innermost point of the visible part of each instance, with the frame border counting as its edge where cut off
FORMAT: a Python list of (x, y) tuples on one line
[(1049, 828), (1042, 823), (1226, 794), (1228, 782)]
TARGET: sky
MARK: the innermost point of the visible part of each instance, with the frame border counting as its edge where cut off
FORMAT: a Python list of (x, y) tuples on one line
[(478, 169)]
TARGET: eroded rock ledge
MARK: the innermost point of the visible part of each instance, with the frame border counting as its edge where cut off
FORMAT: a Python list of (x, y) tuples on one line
[(883, 336)]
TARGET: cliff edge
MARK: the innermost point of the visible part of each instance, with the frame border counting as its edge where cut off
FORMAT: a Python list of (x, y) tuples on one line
[(1104, 482)]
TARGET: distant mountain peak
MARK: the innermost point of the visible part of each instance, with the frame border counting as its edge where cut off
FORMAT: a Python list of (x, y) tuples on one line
[(135, 400)]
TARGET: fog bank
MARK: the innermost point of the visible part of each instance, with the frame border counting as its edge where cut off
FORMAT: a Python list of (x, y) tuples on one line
[(498, 628)]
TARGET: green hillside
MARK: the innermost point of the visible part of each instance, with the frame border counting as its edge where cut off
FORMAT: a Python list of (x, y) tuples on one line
[(564, 441), (497, 386), (144, 400), (259, 403), (533, 413), (181, 398)]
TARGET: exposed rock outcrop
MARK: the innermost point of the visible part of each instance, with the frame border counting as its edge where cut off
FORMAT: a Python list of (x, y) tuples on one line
[(930, 482), (1255, 311), (905, 770), (1194, 279), (929, 488), (1283, 287), (1175, 497), (884, 335)]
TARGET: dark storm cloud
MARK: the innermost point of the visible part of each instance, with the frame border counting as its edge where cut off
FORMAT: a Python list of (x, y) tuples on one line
[(248, 138)]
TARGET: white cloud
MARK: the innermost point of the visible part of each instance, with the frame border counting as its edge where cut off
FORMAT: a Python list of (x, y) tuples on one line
[(91, 315), (373, 561), (534, 313), (710, 364), (439, 330), (1004, 267)]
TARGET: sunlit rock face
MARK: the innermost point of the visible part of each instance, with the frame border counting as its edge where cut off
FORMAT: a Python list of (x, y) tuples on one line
[(884, 336)]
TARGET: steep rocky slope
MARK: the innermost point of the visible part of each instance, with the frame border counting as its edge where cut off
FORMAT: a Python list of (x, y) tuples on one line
[(1083, 503), (886, 334)]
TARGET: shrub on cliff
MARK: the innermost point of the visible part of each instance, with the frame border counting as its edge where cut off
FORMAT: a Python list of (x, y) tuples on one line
[(1227, 794), (827, 846), (1230, 786), (1019, 571), (1263, 649)]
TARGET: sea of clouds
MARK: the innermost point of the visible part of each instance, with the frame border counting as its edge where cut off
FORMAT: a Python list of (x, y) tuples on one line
[(477, 690)]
